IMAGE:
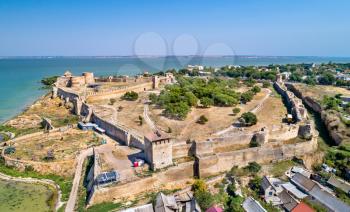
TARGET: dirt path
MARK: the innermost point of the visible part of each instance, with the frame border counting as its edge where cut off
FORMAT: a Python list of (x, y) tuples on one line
[(254, 110), (74, 192), (147, 118)]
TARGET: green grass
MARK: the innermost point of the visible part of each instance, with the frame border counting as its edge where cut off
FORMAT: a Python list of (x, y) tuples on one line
[(64, 183), (105, 206), (17, 131), (279, 168)]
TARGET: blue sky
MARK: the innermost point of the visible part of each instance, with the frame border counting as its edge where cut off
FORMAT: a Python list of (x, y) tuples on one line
[(106, 27)]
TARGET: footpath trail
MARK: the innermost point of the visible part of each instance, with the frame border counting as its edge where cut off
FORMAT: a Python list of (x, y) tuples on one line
[(254, 110), (147, 118), (78, 172)]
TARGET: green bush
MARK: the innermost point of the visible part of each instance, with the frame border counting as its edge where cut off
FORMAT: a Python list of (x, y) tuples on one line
[(202, 119), (206, 101), (256, 89), (249, 118), (236, 110), (130, 96)]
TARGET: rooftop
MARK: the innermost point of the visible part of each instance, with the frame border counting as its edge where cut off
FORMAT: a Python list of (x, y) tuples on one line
[(156, 136), (251, 205)]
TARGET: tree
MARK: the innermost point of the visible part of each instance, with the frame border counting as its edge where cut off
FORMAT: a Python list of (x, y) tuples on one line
[(112, 101), (202, 119), (236, 110), (206, 101), (191, 99), (48, 82), (266, 84), (331, 103), (130, 96), (327, 79), (247, 96), (234, 204), (140, 120), (256, 89), (203, 197), (177, 110), (153, 98), (254, 142), (253, 167), (231, 189), (249, 118)]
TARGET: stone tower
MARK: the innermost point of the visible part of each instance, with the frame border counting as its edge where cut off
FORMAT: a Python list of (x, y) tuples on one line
[(158, 150), (155, 82)]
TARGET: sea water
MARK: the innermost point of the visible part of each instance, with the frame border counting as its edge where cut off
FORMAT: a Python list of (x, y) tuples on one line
[(20, 77)]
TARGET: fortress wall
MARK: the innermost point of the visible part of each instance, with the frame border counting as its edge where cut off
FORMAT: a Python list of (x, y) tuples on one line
[(221, 162), (84, 109), (70, 94), (230, 141), (112, 130), (118, 92), (182, 150), (175, 177), (285, 133), (136, 142)]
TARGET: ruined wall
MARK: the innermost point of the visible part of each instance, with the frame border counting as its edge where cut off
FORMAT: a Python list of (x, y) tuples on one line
[(66, 93), (182, 150), (175, 177), (286, 132), (331, 121), (209, 165)]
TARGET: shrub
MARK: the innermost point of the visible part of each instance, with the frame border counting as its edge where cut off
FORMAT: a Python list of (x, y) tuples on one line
[(153, 98), (140, 120), (112, 101), (206, 101), (256, 89), (247, 96), (202, 119), (130, 96), (236, 110), (266, 84), (249, 118), (254, 142), (253, 167), (48, 82)]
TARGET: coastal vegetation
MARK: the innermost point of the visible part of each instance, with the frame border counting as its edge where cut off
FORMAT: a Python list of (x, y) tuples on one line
[(48, 82)]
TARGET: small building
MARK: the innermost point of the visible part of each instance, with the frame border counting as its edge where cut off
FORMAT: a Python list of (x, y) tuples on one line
[(302, 207), (86, 126), (340, 184), (288, 202), (158, 150), (272, 187), (251, 205), (294, 191)]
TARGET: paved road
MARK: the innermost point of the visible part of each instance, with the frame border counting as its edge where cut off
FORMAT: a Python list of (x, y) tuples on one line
[(74, 192)]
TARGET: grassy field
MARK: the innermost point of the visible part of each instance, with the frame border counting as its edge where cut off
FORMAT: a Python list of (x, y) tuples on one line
[(64, 145), (65, 183), (19, 196)]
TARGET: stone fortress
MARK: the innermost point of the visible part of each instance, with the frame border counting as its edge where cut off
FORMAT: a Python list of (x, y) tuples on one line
[(160, 150)]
